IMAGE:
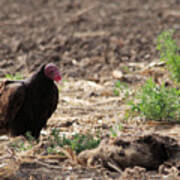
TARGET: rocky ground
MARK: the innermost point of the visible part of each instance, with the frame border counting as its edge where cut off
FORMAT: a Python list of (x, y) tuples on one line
[(94, 43)]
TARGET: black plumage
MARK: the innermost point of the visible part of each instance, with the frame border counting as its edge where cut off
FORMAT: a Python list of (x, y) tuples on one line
[(26, 105)]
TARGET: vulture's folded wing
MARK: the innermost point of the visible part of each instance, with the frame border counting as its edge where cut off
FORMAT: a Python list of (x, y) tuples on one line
[(12, 95), (52, 102)]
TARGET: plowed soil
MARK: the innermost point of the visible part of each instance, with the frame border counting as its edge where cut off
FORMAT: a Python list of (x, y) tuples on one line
[(92, 42)]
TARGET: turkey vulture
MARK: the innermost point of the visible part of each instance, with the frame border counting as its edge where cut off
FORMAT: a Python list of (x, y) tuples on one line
[(26, 105)]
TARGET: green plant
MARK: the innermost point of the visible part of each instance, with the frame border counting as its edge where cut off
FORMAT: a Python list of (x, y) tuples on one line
[(51, 150), (126, 69), (17, 76), (169, 53), (157, 102), (21, 145), (120, 87), (24, 144), (78, 142), (114, 131), (82, 142), (29, 137)]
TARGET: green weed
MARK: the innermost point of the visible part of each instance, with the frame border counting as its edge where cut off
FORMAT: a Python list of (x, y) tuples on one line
[(29, 137), (78, 142), (120, 87), (114, 131), (20, 146), (169, 53), (157, 102), (24, 145), (17, 76), (126, 69)]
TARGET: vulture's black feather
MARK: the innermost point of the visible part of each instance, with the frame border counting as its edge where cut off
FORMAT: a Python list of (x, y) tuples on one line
[(26, 105)]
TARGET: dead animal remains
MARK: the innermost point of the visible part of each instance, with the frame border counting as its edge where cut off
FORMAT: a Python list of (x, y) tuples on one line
[(26, 105)]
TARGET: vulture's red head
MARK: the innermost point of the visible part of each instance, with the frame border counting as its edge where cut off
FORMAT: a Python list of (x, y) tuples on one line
[(52, 72)]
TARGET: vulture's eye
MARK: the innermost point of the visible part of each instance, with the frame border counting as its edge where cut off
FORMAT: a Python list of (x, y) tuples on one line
[(51, 71)]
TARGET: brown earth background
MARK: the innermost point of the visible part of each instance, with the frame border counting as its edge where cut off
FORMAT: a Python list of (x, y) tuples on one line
[(93, 42)]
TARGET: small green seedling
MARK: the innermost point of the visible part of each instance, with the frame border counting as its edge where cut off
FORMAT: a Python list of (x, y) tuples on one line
[(23, 145), (17, 76), (120, 87), (114, 130)]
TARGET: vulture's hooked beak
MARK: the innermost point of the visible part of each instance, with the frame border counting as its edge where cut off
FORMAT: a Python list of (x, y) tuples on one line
[(58, 78)]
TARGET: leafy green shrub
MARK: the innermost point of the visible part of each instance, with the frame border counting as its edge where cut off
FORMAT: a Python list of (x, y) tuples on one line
[(169, 53), (78, 142), (157, 102)]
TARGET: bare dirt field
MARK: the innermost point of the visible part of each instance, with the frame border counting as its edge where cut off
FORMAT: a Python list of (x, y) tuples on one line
[(94, 43)]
